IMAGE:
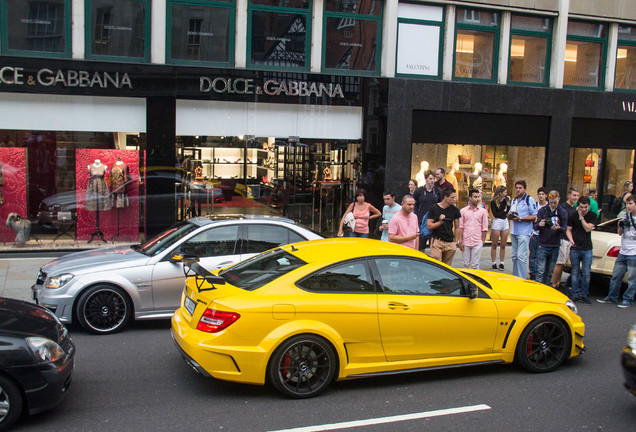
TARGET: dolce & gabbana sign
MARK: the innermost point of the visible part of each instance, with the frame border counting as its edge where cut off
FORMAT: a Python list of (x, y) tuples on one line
[(248, 86), (16, 76)]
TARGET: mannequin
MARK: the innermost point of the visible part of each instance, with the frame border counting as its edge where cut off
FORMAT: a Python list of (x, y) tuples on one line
[(419, 177), (474, 180), (500, 178), (119, 176), (451, 177), (97, 195)]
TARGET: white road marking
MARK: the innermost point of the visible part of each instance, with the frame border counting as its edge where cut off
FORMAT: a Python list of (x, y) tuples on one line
[(391, 419)]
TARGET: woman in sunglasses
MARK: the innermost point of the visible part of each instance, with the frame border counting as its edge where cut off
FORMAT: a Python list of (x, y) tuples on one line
[(500, 228)]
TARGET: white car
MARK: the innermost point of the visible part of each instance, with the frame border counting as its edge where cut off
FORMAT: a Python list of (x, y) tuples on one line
[(102, 289)]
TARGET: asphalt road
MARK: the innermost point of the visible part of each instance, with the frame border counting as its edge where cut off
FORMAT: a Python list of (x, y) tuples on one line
[(137, 381)]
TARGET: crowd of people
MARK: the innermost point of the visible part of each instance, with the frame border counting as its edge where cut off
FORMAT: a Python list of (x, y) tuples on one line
[(544, 233)]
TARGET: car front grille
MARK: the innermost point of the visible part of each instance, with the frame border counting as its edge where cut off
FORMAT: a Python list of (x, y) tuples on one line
[(41, 278)]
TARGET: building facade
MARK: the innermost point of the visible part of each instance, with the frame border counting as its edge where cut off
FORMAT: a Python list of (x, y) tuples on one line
[(122, 117)]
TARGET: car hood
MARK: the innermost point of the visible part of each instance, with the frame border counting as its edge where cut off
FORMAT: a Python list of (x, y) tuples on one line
[(28, 319), (97, 259), (510, 287)]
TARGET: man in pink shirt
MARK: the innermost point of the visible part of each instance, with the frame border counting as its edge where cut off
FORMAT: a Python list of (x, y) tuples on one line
[(473, 227), (403, 226)]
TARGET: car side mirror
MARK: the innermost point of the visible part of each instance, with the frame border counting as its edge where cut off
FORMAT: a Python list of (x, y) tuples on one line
[(473, 291), (179, 257)]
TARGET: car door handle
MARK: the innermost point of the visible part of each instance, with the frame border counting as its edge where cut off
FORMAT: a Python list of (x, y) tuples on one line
[(395, 305), (224, 264)]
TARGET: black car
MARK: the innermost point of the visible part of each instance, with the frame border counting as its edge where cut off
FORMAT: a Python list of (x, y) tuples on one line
[(628, 360), (37, 357)]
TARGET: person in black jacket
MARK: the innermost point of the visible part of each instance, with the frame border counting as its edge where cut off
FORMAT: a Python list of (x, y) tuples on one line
[(425, 196), (552, 222)]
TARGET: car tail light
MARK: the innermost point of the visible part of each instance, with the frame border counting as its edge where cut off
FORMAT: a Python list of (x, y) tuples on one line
[(613, 252), (213, 321)]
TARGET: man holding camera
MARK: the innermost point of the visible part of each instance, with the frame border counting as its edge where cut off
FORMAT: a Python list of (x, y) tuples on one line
[(523, 212), (626, 261), (552, 221)]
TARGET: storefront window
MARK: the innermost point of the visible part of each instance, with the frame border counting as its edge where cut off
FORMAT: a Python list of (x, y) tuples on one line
[(626, 58), (415, 24), (308, 180), (279, 34), (36, 28), (352, 36), (201, 32), (529, 49), (73, 186), (585, 54), (118, 28), (480, 167), (605, 170), (476, 44)]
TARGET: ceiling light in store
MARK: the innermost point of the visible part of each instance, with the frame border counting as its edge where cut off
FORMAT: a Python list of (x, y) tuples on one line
[(622, 53), (571, 52), (465, 43), (240, 137), (518, 48)]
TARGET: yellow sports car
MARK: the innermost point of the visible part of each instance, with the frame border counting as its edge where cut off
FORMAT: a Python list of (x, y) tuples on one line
[(302, 315)]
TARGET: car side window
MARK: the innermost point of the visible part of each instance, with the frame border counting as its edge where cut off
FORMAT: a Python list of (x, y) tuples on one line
[(411, 276), (260, 238), (217, 241), (350, 277)]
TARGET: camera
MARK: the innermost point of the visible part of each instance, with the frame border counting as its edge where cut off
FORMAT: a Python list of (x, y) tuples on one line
[(548, 222), (512, 215), (624, 223)]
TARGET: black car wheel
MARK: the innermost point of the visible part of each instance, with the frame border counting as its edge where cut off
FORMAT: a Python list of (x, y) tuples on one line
[(544, 345), (10, 403), (303, 366), (103, 309)]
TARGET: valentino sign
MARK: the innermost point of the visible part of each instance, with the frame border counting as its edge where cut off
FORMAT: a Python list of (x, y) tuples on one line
[(10, 75), (270, 87)]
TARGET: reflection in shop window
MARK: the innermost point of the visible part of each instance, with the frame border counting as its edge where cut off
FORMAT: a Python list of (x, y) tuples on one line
[(626, 58), (118, 28), (584, 54), (36, 26)]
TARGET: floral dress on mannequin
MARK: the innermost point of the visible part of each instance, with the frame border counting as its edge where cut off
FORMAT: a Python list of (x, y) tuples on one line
[(97, 192), (119, 176)]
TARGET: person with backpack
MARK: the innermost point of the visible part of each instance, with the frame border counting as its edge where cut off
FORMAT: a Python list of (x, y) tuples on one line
[(522, 214), (425, 196)]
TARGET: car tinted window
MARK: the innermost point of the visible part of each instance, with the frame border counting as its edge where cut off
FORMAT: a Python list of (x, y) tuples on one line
[(609, 227), (261, 237), (410, 276), (165, 239), (350, 277), (217, 241), (261, 269)]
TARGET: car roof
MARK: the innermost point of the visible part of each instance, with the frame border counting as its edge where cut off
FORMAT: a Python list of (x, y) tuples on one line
[(206, 220), (333, 250)]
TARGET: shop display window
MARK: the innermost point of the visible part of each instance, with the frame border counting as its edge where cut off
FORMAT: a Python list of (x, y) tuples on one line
[(201, 32), (279, 34), (626, 58), (118, 29), (352, 35), (530, 41), (585, 54), (476, 44), (36, 28), (481, 167), (416, 23)]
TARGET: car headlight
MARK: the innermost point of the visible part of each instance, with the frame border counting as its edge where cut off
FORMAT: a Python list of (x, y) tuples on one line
[(59, 281), (572, 306), (631, 339), (45, 349)]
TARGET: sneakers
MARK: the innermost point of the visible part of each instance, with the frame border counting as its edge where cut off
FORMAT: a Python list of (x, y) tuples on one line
[(501, 267), (625, 304), (494, 266), (605, 300), (587, 300)]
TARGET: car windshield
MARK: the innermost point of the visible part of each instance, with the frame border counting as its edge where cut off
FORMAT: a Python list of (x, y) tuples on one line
[(261, 269), (611, 226), (165, 239)]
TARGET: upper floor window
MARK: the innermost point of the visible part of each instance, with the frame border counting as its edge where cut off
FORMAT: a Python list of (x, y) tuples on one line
[(279, 33), (200, 31), (36, 28), (417, 23), (530, 40), (476, 44), (626, 58), (585, 54), (352, 36), (118, 29)]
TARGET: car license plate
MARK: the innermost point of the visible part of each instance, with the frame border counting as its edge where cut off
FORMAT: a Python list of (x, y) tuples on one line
[(190, 305)]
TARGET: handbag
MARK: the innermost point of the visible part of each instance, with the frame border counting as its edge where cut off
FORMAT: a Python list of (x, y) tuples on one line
[(424, 231), (350, 221)]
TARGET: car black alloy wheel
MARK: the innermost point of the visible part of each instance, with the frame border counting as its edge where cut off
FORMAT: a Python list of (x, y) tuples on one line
[(303, 366), (544, 345), (10, 403), (103, 309)]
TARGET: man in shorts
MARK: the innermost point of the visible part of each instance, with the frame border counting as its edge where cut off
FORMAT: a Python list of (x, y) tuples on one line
[(443, 221), (564, 250)]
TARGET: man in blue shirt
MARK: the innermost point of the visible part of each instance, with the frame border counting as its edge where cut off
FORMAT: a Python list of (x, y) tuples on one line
[(390, 208), (522, 214)]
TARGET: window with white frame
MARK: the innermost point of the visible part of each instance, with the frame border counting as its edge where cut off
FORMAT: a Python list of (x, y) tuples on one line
[(420, 37)]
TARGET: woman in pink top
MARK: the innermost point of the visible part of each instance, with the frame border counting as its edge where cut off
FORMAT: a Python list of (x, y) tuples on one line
[(362, 212)]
